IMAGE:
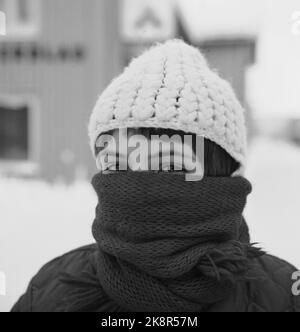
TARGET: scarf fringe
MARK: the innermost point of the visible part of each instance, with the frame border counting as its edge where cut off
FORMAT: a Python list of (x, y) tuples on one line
[(229, 262)]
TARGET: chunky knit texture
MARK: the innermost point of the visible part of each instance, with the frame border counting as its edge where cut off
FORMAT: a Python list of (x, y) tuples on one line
[(171, 86), (170, 245)]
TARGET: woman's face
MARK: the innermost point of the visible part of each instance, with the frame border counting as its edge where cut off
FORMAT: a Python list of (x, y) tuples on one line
[(125, 150)]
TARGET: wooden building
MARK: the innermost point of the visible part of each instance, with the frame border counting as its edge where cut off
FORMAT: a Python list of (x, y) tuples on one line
[(230, 47), (56, 58)]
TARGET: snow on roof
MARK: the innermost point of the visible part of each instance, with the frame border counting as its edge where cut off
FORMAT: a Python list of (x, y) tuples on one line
[(214, 19)]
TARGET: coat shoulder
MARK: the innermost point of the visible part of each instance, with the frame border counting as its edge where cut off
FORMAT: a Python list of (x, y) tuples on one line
[(76, 259), (269, 291), (273, 293), (46, 285)]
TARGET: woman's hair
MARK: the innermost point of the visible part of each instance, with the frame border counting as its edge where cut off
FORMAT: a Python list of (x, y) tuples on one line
[(217, 162)]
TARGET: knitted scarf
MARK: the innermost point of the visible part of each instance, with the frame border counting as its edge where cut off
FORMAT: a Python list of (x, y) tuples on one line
[(166, 244)]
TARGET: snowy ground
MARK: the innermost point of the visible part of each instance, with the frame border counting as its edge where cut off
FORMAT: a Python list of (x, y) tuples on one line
[(39, 222), (273, 211)]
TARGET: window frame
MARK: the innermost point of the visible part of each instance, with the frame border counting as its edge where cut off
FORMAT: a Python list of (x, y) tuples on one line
[(31, 165), (15, 30)]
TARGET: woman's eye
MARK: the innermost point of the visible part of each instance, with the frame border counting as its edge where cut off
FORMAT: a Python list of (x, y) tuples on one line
[(171, 168), (113, 167)]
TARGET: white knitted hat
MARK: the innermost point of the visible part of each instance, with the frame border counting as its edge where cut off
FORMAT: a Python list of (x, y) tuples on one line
[(171, 86)]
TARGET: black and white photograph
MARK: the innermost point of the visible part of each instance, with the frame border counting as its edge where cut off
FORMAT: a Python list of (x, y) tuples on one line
[(149, 158)]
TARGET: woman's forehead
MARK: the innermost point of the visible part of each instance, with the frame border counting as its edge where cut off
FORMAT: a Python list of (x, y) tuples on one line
[(147, 132)]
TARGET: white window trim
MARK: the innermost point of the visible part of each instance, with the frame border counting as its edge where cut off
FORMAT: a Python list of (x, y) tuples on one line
[(31, 166), (14, 31)]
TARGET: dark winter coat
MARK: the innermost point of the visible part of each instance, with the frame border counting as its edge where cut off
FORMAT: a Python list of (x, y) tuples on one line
[(48, 293)]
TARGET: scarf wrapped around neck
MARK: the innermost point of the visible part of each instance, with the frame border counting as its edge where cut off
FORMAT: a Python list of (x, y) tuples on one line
[(166, 244)]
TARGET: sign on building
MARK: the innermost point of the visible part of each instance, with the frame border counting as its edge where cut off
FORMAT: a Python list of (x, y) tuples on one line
[(147, 20)]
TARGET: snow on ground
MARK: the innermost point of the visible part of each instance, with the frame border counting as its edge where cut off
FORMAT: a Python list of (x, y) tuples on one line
[(273, 210), (40, 221)]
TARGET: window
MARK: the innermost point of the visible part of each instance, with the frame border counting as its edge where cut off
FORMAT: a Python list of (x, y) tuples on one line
[(14, 132), (22, 17), (19, 136)]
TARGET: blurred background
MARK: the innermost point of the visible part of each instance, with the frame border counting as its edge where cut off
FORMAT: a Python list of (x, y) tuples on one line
[(57, 56)]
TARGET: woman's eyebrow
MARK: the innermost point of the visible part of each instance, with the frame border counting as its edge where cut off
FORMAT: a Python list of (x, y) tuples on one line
[(116, 154)]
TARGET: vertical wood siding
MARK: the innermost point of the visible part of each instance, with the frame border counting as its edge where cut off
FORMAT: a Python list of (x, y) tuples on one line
[(67, 90)]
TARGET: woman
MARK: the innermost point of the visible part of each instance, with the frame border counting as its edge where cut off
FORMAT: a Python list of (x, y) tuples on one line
[(166, 241)]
